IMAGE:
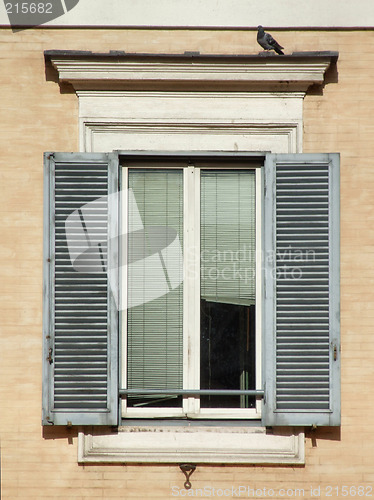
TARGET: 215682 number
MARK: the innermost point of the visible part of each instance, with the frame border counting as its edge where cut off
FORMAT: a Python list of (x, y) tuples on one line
[(28, 8), (349, 491)]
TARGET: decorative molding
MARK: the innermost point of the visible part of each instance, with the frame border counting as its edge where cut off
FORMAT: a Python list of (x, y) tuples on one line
[(105, 94), (85, 70), (200, 444), (188, 128), (110, 131)]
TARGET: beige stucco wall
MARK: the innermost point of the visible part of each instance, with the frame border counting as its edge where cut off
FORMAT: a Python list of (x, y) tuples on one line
[(36, 117)]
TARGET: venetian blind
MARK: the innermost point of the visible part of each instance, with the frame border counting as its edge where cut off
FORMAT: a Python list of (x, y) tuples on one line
[(155, 269), (228, 231)]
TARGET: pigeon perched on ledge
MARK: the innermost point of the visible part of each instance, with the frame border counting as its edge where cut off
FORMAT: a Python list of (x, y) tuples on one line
[(267, 41)]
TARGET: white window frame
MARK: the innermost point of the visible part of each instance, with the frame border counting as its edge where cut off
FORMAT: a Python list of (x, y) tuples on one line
[(191, 296)]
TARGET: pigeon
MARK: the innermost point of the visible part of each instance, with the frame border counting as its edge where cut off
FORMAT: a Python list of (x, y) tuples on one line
[(267, 41)]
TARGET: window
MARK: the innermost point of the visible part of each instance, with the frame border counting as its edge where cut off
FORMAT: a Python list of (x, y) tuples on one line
[(285, 205), (190, 279)]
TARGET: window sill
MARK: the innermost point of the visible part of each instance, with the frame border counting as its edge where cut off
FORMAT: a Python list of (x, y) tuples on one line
[(198, 444)]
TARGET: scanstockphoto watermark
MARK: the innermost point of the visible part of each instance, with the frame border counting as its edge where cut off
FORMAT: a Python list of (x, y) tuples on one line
[(245, 491), (240, 264), (240, 491), (154, 255), (247, 253), (23, 14)]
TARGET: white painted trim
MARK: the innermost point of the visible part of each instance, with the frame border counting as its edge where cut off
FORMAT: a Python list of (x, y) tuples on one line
[(169, 444), (150, 413), (186, 120), (187, 306), (194, 283), (107, 93), (83, 72), (119, 135), (122, 362), (259, 253)]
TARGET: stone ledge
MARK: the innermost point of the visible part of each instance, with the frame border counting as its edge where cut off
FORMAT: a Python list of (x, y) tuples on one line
[(163, 444), (120, 70)]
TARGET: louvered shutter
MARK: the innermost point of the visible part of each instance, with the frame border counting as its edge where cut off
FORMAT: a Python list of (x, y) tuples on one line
[(80, 323), (301, 290)]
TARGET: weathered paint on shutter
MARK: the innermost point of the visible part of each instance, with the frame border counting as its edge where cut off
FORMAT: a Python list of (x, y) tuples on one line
[(80, 330), (301, 290)]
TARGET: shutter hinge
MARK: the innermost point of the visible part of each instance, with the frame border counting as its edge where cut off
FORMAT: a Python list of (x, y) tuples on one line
[(335, 351), (49, 358), (264, 398)]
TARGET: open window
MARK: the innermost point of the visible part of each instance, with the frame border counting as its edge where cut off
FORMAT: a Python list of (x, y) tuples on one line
[(188, 319), (191, 286)]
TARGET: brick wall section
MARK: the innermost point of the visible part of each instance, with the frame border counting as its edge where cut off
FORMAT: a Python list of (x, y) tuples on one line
[(36, 117)]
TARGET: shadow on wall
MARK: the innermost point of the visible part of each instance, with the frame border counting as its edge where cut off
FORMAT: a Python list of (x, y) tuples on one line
[(51, 75), (71, 433), (314, 434), (331, 76)]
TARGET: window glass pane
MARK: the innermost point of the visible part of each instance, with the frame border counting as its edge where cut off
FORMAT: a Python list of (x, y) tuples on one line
[(155, 292), (227, 345)]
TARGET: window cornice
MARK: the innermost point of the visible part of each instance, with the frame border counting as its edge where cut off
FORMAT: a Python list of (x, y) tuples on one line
[(191, 71)]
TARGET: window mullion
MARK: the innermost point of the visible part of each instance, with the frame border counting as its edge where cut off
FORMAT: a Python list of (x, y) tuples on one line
[(259, 264), (191, 312), (123, 289)]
